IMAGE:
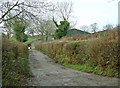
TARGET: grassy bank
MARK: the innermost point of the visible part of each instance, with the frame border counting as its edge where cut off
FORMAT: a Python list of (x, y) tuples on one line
[(15, 69), (94, 55), (84, 68)]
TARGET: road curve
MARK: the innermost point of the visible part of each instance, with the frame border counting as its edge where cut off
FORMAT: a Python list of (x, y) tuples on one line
[(48, 73)]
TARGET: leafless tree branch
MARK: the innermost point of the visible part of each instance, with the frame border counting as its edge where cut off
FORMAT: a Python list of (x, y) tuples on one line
[(9, 10), (13, 16)]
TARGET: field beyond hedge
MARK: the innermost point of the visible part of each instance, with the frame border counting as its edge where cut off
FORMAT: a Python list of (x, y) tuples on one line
[(95, 53)]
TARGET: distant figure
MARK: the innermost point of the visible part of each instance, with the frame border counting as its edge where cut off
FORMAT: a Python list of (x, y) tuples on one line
[(29, 46), (39, 39)]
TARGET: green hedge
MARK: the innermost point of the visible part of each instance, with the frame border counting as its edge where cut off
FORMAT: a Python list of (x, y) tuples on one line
[(95, 53), (15, 69)]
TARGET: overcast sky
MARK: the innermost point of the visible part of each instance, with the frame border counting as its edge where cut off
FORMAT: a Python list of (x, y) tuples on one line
[(86, 12)]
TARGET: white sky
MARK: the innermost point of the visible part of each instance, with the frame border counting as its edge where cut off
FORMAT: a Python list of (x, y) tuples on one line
[(86, 12)]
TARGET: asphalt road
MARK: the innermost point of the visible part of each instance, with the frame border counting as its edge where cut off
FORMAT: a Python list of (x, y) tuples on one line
[(48, 73)]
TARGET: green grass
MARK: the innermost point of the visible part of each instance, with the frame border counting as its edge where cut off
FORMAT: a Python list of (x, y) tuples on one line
[(84, 68), (13, 38), (96, 70), (28, 41), (31, 39)]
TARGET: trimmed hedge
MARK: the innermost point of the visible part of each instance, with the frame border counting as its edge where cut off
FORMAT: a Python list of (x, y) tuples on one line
[(95, 52), (15, 67)]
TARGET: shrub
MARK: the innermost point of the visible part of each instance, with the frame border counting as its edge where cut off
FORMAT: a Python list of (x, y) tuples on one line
[(15, 67)]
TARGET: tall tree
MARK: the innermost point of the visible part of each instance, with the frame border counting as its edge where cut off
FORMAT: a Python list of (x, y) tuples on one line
[(8, 24), (64, 9), (31, 8), (47, 28), (19, 29)]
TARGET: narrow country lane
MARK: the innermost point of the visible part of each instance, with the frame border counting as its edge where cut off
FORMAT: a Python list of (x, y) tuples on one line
[(48, 73)]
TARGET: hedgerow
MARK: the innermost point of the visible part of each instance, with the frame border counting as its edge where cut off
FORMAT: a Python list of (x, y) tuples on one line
[(100, 52), (15, 69)]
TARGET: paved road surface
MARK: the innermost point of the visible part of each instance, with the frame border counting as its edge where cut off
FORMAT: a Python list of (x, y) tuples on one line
[(48, 73)]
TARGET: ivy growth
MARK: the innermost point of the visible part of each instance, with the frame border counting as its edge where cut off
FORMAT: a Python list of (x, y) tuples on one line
[(61, 28)]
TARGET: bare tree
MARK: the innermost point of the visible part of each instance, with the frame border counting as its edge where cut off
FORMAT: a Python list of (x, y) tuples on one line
[(108, 26), (15, 8), (94, 27), (85, 28), (47, 28), (30, 10), (28, 7), (64, 9)]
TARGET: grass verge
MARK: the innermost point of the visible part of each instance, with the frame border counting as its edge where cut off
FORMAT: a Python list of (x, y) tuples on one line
[(83, 68), (95, 70)]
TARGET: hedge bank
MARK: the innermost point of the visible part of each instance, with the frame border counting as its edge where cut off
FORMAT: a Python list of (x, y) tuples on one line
[(15, 69), (100, 54)]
